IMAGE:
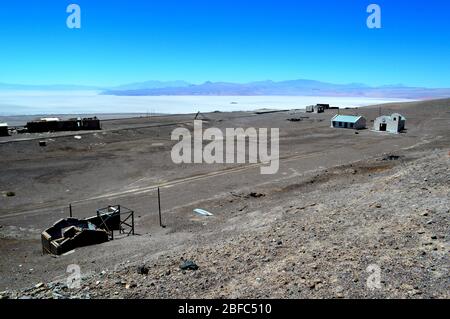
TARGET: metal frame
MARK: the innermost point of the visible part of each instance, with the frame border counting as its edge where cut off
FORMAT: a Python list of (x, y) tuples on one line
[(119, 210)]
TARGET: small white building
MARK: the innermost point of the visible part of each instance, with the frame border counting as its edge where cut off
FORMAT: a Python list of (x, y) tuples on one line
[(348, 121), (318, 108), (394, 123)]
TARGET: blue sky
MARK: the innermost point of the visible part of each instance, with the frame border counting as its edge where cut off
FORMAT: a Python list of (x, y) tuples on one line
[(126, 41)]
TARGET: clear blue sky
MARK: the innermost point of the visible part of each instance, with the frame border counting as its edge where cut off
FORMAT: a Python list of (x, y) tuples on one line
[(124, 41)]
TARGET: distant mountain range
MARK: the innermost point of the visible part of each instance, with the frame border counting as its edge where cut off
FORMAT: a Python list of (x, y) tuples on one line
[(288, 88), (283, 88), (151, 85)]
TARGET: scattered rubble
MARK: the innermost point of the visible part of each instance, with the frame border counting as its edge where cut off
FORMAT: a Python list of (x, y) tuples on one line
[(391, 157), (142, 270), (189, 265)]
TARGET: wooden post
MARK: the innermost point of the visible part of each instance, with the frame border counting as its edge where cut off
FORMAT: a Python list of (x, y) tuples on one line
[(70, 210)]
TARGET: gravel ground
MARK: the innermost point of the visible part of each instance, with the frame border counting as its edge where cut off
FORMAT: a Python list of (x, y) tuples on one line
[(339, 214), (391, 214)]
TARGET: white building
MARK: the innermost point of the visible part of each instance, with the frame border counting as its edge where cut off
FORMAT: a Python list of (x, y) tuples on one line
[(348, 121), (394, 123)]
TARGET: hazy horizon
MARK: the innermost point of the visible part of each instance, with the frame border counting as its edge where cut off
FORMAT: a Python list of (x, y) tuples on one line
[(89, 102)]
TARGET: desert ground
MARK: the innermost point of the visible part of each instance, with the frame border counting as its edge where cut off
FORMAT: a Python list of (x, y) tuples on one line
[(341, 202)]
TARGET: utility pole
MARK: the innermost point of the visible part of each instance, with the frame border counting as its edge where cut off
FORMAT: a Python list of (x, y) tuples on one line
[(159, 209)]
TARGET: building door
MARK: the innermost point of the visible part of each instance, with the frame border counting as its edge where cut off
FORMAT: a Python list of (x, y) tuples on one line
[(383, 127)]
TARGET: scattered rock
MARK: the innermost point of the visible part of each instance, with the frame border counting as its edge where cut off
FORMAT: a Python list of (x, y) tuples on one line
[(256, 195), (189, 265), (39, 285), (130, 286), (142, 270), (391, 158)]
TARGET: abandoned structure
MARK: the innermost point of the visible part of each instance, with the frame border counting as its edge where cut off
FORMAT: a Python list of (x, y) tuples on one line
[(90, 124), (394, 123), (54, 124), (4, 129), (318, 108), (68, 234), (348, 121)]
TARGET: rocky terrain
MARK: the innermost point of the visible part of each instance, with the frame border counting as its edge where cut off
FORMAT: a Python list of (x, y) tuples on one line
[(348, 215), (317, 242)]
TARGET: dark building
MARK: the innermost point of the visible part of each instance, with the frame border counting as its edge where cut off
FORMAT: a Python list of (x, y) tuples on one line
[(4, 129), (57, 125), (43, 125), (91, 124)]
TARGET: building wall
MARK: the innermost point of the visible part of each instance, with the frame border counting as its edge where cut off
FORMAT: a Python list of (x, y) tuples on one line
[(67, 125), (394, 123), (360, 124), (402, 121), (318, 109), (4, 131)]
